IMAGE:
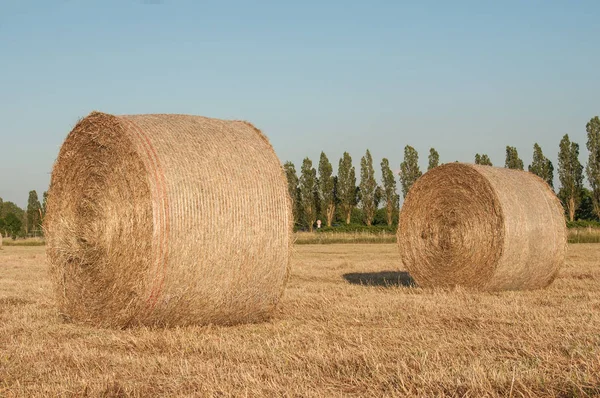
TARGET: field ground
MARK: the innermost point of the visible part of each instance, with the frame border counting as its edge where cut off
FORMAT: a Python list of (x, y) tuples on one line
[(350, 324)]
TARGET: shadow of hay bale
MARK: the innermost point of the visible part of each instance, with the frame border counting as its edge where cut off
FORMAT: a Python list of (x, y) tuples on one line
[(383, 278)]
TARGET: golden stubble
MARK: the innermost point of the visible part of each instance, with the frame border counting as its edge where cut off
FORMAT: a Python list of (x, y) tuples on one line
[(349, 324)]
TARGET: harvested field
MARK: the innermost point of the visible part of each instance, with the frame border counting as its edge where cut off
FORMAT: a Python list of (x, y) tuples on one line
[(349, 324)]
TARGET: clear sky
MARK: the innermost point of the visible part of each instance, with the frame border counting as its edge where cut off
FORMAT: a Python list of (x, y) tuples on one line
[(461, 76)]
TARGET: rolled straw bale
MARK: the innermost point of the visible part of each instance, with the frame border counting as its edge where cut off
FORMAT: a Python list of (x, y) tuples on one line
[(167, 220), (482, 227)]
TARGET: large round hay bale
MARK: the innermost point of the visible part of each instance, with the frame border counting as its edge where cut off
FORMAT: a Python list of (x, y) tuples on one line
[(167, 220), (482, 227)]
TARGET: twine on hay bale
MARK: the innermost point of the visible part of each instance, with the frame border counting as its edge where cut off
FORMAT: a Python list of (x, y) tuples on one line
[(482, 227), (167, 220)]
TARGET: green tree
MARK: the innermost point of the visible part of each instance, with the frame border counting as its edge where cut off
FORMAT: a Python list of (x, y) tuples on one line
[(593, 166), (378, 196), (570, 174), (308, 187), (34, 212), (434, 159), (483, 160), (44, 201), (12, 225), (368, 187), (326, 188), (585, 211), (10, 207), (512, 159), (542, 166), (318, 206), (390, 197), (293, 190), (346, 186), (409, 169)]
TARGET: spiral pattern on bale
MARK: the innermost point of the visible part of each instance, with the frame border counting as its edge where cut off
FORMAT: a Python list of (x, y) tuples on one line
[(482, 227), (167, 220)]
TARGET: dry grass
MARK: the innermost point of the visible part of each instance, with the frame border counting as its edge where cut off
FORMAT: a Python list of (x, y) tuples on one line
[(24, 242), (317, 238), (347, 325), (575, 235), (584, 235)]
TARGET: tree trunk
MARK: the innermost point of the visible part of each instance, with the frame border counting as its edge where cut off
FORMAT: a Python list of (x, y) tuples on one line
[(571, 208), (390, 212), (348, 215), (330, 213)]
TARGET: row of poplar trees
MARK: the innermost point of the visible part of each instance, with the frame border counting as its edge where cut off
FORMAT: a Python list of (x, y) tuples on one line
[(319, 193), (315, 196), (579, 202)]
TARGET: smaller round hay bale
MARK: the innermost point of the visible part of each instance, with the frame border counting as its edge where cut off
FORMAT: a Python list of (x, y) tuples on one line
[(482, 227)]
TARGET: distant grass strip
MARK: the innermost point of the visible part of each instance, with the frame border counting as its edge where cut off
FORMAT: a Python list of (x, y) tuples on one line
[(584, 235), (575, 235), (307, 238), (23, 242)]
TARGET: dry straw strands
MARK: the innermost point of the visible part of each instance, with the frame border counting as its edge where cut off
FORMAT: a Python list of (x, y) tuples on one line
[(167, 220), (482, 227)]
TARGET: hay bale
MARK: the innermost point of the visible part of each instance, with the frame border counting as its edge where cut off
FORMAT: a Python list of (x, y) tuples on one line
[(482, 227), (0, 240), (167, 220)]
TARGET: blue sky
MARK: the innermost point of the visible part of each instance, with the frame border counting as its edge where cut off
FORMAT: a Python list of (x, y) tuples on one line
[(461, 76)]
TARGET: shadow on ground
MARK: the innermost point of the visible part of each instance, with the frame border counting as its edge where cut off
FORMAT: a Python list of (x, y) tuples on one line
[(383, 278)]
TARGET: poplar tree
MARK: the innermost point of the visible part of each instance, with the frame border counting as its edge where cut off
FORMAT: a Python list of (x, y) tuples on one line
[(512, 159), (44, 202), (346, 186), (570, 174), (326, 188), (34, 208), (307, 184), (434, 159), (593, 166), (542, 166), (409, 169), (293, 190), (368, 186), (390, 197)]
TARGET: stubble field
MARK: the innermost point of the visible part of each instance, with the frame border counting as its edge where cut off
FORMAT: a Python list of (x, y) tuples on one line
[(349, 324)]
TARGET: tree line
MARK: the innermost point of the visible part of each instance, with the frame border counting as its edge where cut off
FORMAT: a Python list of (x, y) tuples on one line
[(337, 200), (16, 222)]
